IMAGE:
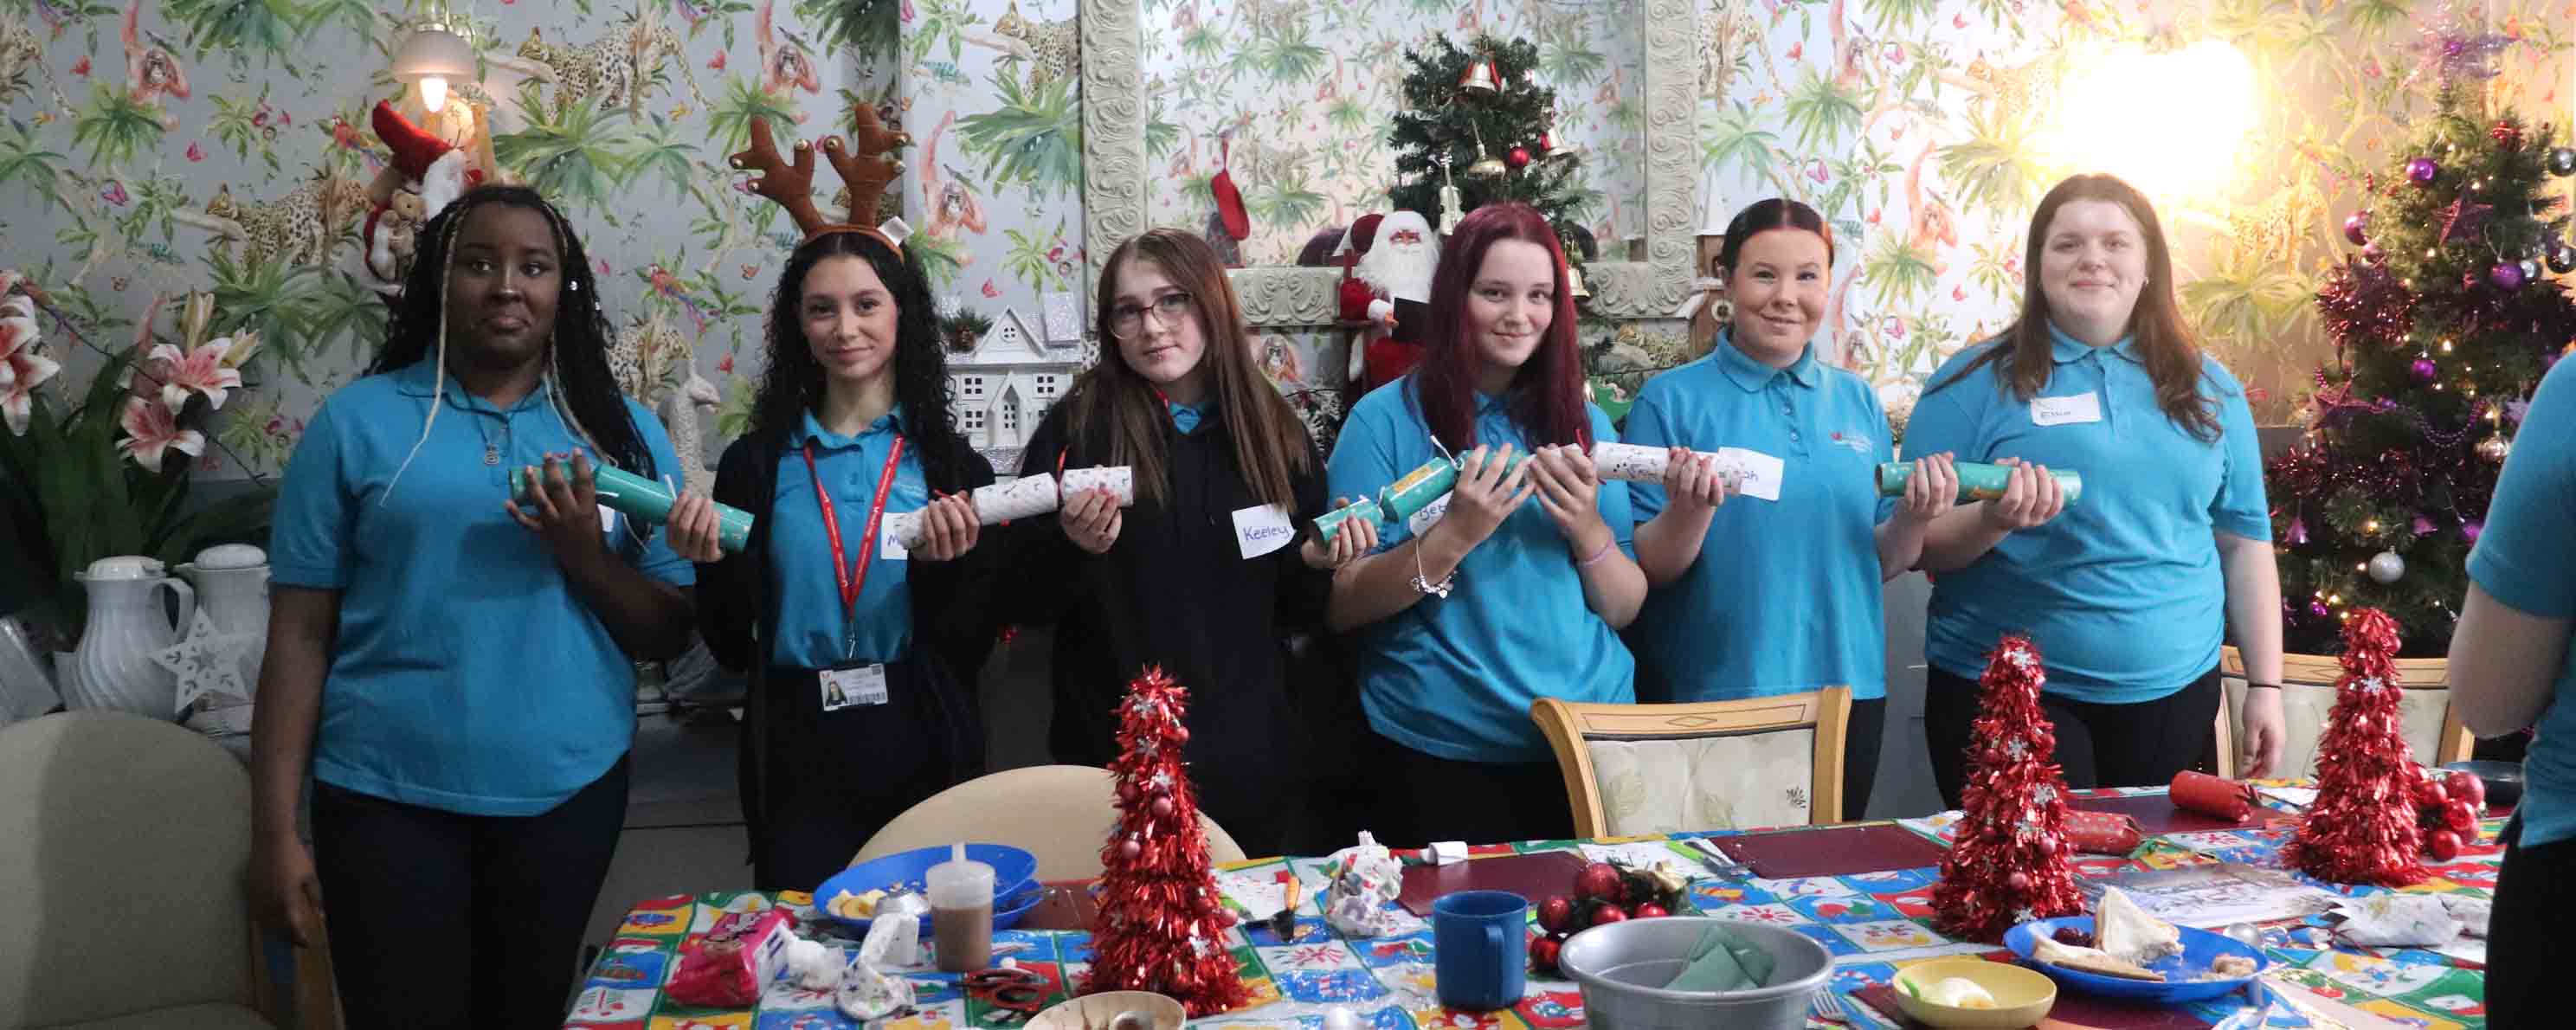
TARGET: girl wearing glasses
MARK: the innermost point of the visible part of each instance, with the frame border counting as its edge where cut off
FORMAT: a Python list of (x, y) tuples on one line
[(1468, 617), (1203, 576)]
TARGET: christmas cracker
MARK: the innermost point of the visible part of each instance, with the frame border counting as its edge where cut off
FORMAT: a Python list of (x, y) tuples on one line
[(645, 501), (1026, 497), (1977, 481), (1435, 478)]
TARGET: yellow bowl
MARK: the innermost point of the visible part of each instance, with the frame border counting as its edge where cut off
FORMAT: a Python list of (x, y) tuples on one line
[(2022, 996), (1096, 1011)]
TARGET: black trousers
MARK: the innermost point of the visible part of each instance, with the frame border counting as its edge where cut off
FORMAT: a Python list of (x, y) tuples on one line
[(2534, 902), (1861, 739), (816, 785), (445, 920), (1424, 798), (2098, 745)]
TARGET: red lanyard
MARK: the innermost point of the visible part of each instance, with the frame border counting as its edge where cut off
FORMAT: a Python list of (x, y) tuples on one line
[(851, 583)]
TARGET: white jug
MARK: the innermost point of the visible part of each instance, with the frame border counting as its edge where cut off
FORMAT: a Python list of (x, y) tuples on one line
[(126, 624), (232, 587)]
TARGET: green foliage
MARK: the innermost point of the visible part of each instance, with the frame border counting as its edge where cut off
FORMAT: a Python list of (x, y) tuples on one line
[(2382, 449), (1031, 138), (1438, 118), (871, 28), (115, 126)]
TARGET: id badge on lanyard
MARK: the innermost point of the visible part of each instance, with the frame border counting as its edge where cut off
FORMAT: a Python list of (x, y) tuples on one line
[(850, 682)]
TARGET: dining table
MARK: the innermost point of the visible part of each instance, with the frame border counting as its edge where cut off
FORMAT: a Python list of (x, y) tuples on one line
[(1863, 891)]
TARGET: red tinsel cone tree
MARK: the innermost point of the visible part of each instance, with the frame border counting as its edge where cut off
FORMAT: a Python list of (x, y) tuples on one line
[(2362, 827), (1161, 926), (2012, 861)]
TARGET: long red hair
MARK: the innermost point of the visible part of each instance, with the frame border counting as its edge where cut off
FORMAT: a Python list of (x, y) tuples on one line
[(1547, 391)]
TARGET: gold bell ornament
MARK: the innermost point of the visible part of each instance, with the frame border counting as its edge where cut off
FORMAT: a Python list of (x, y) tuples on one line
[(1486, 166), (1574, 282), (1480, 77)]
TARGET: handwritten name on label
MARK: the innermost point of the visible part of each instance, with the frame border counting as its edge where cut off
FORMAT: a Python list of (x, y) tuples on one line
[(1261, 529)]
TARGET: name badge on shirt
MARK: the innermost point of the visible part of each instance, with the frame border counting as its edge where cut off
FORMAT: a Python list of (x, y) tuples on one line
[(852, 685), (890, 545), (1762, 472), (2066, 411), (1429, 516), (1261, 529)]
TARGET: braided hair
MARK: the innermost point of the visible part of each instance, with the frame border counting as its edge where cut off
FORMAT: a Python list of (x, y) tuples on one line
[(792, 382), (581, 390)]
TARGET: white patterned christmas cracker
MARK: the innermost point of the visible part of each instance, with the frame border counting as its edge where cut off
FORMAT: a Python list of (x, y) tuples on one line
[(1119, 480), (1638, 464)]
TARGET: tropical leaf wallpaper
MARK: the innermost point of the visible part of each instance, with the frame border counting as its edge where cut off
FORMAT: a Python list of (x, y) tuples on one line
[(152, 148)]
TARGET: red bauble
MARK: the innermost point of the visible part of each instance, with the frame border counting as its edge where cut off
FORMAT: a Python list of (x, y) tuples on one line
[(2460, 817), (2019, 880), (1542, 954), (2442, 845), (1650, 910), (1162, 808), (1598, 880), (1609, 914), (1129, 849), (2431, 794), (1555, 914), (2469, 788), (1519, 158)]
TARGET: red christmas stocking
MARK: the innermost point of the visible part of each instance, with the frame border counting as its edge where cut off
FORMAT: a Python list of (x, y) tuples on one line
[(1229, 201)]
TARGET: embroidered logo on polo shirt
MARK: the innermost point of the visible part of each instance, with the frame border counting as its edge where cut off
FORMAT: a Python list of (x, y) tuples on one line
[(1858, 442)]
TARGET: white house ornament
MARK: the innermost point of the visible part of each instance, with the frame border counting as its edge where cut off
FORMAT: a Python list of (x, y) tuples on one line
[(207, 661)]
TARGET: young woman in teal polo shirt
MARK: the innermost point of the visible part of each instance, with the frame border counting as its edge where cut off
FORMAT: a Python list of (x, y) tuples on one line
[(861, 654), (2128, 593), (1799, 554), (453, 666), (2510, 671), (1469, 616)]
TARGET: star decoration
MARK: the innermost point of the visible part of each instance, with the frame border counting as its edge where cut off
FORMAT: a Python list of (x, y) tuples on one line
[(2454, 48), (2372, 683), (207, 661), (2044, 794), (2464, 217), (2016, 748)]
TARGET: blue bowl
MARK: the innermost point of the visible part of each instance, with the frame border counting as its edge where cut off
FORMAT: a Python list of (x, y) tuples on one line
[(1014, 873), (2199, 949)]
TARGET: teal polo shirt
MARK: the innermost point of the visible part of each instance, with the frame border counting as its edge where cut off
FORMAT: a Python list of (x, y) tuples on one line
[(1455, 678), (811, 623), (1785, 594), (2122, 591), (2526, 559), (467, 675)]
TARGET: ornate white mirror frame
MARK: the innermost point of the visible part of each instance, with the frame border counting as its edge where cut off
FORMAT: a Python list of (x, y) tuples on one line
[(1114, 178)]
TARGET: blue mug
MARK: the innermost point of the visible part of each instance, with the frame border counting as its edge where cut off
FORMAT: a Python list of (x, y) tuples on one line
[(1480, 940)]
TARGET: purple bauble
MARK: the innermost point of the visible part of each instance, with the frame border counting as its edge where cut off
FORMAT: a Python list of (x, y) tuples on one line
[(2424, 370), (2318, 609), (2371, 251), (2506, 275), (2356, 227), (2469, 530), (2422, 171)]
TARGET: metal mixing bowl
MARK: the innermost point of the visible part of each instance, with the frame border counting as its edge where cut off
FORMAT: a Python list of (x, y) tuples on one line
[(1622, 968)]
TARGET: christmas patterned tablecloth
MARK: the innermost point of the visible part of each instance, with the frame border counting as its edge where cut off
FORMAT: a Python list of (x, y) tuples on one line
[(1873, 923)]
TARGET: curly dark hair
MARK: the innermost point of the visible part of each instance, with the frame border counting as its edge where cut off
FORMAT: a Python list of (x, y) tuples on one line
[(792, 382), (597, 409)]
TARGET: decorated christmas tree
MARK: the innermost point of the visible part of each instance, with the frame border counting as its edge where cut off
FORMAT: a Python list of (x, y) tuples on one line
[(2443, 324), (1161, 926), (2012, 861), (2361, 829), (1476, 119)]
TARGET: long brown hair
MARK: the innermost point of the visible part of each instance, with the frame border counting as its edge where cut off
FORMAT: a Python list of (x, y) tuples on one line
[(1119, 416), (1549, 405), (2165, 340)]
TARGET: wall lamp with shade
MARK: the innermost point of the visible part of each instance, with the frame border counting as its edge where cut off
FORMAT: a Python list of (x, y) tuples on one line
[(428, 56)]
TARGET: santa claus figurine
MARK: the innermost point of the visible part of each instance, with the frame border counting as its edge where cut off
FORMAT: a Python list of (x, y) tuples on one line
[(1393, 259), (427, 174)]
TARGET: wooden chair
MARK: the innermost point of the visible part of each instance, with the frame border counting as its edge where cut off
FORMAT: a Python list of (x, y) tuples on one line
[(2433, 728), (1643, 769), (1059, 813), (126, 841)]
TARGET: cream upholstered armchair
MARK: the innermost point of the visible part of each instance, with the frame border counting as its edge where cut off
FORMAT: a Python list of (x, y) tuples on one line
[(1646, 769), (2433, 731), (124, 843), (1059, 813)]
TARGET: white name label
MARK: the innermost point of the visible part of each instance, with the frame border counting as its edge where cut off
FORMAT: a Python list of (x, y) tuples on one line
[(1261, 529), (1762, 472), (2066, 411), (1429, 516)]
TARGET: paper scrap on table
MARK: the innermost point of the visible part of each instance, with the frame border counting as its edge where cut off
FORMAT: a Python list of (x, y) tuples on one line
[(2300, 796), (2412, 920), (1256, 891), (2212, 896), (1447, 851)]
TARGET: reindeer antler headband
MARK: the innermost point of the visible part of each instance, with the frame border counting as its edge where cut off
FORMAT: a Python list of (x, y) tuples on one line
[(865, 169)]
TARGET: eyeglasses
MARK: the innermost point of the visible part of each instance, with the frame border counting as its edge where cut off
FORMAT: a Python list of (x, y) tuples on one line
[(1127, 321)]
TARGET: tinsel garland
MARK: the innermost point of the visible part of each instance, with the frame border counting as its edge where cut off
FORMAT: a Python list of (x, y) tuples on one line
[(1161, 926), (2362, 828), (2012, 861)]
